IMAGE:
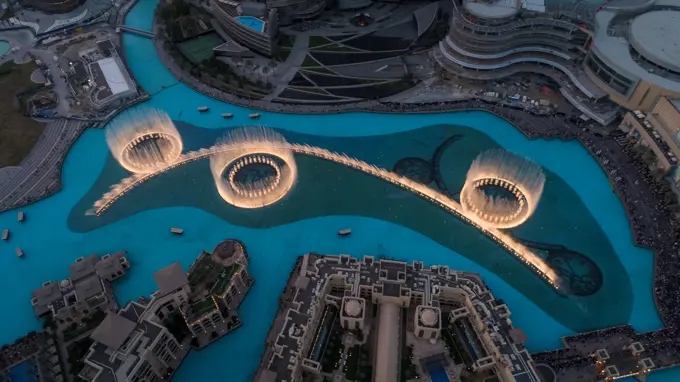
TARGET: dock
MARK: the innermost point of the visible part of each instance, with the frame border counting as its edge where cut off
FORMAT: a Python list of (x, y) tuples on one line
[(5, 234), (21, 216), (177, 231)]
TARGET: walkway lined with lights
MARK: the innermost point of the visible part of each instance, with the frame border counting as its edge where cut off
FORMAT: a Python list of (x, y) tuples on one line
[(528, 257)]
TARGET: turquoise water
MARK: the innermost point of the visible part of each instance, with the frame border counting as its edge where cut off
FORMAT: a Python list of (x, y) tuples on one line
[(251, 22), (4, 47), (50, 245), (23, 372)]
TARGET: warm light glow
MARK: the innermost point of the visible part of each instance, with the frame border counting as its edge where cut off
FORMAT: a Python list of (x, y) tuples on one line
[(498, 170), (253, 146), (269, 143), (144, 141)]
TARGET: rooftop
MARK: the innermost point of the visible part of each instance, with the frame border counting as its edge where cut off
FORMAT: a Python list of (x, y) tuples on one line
[(83, 267), (113, 331), (170, 278), (655, 35)]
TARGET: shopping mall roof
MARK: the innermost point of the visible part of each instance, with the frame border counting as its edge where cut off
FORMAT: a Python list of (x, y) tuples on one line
[(656, 36), (113, 75)]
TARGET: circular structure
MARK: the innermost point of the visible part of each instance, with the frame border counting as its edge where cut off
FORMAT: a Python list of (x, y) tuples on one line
[(255, 168), (353, 308), (416, 169), (578, 275), (654, 35), (144, 141), (362, 20), (227, 252), (52, 6), (428, 317), (502, 190)]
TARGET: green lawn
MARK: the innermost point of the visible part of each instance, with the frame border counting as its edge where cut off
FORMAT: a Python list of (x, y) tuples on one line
[(200, 48), (220, 287)]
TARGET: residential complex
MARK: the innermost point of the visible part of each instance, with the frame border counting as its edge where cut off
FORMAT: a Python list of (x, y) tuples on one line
[(250, 24), (390, 309), (52, 6), (658, 132), (293, 10), (602, 57), (136, 344), (86, 290)]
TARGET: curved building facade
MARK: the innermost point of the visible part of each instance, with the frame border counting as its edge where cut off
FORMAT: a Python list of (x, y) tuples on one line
[(250, 24), (588, 49), (294, 10), (52, 6)]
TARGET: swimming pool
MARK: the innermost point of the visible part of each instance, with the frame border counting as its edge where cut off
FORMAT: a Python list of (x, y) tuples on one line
[(251, 22), (4, 47), (26, 371), (437, 373)]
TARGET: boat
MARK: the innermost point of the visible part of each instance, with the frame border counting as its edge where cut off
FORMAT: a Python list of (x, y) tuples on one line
[(20, 216), (177, 231), (227, 115), (345, 232), (203, 108), (5, 234), (19, 252), (254, 115)]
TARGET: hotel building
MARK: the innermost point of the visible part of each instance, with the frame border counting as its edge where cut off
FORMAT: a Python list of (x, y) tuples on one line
[(128, 348), (250, 24), (86, 290), (601, 56), (386, 299)]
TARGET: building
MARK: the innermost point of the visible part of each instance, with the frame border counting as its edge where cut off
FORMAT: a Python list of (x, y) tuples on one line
[(249, 24), (208, 295), (129, 348), (135, 343), (588, 50), (290, 11), (380, 299), (657, 132), (52, 6), (87, 289)]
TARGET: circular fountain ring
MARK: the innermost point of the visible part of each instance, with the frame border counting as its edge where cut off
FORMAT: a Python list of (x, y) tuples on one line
[(260, 193), (510, 214), (150, 151)]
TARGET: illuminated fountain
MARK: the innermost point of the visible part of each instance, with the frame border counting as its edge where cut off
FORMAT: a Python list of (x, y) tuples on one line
[(144, 141), (263, 148), (502, 189), (255, 168)]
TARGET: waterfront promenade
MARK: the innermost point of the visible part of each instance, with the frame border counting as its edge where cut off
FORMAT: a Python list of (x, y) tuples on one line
[(39, 175)]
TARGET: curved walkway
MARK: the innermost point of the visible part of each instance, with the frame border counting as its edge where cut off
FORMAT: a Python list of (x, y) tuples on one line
[(524, 254)]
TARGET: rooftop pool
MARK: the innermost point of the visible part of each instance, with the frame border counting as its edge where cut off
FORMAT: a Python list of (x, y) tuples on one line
[(4, 47), (579, 215), (251, 22)]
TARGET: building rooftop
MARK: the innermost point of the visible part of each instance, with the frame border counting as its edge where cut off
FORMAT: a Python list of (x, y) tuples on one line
[(46, 295), (656, 36), (84, 267), (113, 331), (170, 278), (88, 287)]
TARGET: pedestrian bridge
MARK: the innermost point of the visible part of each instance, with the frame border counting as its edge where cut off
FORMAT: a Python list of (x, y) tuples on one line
[(139, 32)]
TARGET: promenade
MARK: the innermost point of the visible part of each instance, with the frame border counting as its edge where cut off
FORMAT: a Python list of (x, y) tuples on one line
[(39, 175)]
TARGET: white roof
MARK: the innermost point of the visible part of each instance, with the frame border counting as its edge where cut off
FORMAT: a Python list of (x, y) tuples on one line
[(113, 75)]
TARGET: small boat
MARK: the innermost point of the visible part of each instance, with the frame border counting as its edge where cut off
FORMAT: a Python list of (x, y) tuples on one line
[(21, 216), (345, 232), (19, 252), (177, 231), (5, 234), (203, 109), (254, 115), (227, 115)]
